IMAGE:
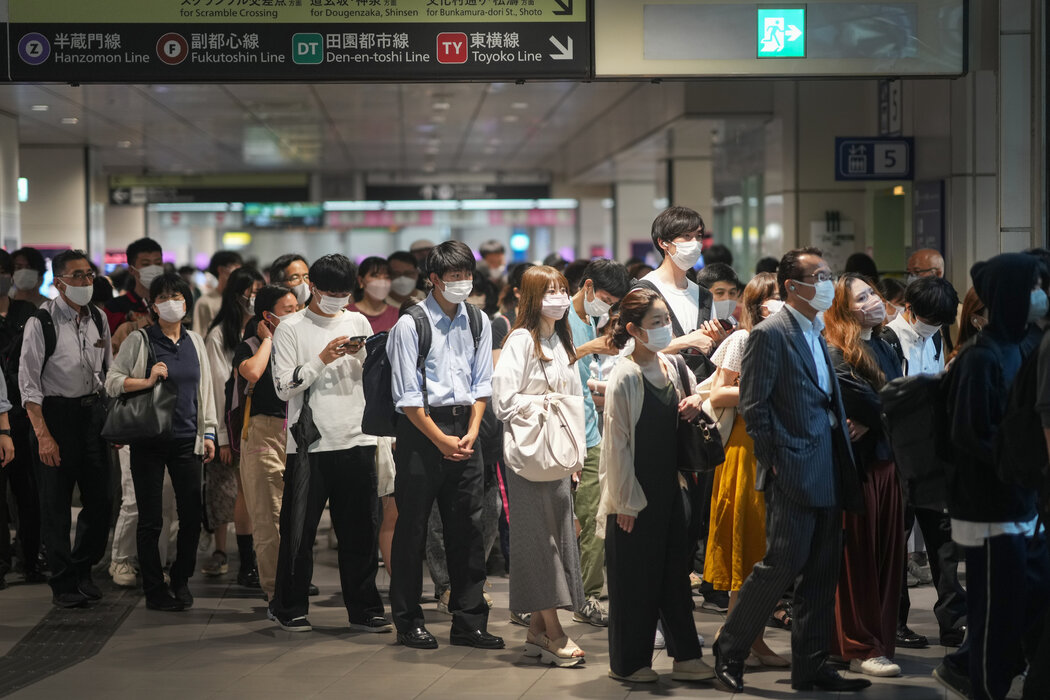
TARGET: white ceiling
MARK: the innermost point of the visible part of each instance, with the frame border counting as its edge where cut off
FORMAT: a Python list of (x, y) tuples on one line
[(406, 129)]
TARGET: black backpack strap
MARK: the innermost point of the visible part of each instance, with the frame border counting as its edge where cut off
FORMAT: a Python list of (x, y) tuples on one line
[(704, 301), (938, 341), (890, 337), (474, 316), (47, 328), (424, 335)]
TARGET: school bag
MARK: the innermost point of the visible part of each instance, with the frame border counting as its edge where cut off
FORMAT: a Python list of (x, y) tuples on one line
[(380, 416)]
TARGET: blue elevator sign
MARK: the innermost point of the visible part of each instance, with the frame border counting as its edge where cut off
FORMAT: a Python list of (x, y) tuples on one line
[(874, 158)]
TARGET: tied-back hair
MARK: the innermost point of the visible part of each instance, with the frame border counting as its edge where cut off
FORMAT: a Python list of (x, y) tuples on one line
[(758, 291), (842, 329), (534, 285), (633, 309)]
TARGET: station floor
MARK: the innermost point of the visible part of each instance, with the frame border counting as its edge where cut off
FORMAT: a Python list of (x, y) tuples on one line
[(225, 648)]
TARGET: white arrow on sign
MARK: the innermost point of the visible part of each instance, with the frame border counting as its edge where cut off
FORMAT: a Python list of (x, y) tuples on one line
[(566, 50), (793, 32)]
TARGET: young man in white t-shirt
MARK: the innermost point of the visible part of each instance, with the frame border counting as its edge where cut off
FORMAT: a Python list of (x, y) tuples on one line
[(321, 349)]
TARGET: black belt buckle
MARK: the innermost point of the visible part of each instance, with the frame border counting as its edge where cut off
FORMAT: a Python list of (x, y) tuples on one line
[(89, 400), (458, 410)]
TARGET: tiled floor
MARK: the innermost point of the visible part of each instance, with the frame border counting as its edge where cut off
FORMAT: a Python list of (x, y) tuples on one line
[(225, 648)]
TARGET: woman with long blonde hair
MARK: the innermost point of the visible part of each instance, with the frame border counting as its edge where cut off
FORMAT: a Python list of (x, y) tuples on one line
[(537, 359)]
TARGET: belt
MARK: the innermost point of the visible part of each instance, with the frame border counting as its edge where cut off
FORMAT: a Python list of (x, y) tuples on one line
[(81, 401), (450, 411)]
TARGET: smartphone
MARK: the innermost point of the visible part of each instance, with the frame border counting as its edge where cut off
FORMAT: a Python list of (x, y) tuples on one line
[(727, 324), (356, 339)]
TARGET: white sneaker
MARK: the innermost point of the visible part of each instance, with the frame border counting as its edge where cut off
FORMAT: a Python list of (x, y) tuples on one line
[(878, 666), (691, 670), (123, 573)]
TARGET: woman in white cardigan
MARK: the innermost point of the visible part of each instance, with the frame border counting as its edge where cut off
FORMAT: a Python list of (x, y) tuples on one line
[(537, 359), (641, 512), (180, 360)]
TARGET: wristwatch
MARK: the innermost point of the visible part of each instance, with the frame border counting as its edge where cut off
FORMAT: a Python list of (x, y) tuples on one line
[(5, 431)]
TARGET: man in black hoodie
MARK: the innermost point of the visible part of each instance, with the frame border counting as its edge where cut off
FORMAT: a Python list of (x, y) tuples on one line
[(1007, 566)]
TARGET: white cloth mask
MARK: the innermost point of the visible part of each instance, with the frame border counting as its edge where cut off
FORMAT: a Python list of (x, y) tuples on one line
[(595, 306), (723, 309), (658, 338), (26, 278), (149, 273), (773, 305), (402, 286), (925, 330), (81, 296), (301, 292), (171, 311), (377, 289), (686, 254), (332, 305), (823, 297), (457, 292), (874, 312), (1038, 305), (555, 305)]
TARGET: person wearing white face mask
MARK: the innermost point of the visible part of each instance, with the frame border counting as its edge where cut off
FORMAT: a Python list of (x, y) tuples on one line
[(65, 353), (145, 264), (373, 288), (642, 515), (792, 407), (442, 403), (178, 357), (28, 275), (929, 303), (603, 283), (537, 359), (261, 430), (293, 272), (317, 361)]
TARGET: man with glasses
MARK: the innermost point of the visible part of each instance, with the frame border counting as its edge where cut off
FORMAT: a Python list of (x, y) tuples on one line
[(926, 262), (65, 354), (292, 271), (792, 406)]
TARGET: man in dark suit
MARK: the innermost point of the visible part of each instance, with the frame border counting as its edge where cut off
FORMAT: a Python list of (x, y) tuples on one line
[(792, 406)]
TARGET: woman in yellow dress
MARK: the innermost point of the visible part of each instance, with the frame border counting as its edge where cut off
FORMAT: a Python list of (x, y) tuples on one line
[(737, 537)]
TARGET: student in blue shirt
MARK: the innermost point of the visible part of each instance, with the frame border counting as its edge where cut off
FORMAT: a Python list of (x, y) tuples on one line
[(435, 456), (603, 283)]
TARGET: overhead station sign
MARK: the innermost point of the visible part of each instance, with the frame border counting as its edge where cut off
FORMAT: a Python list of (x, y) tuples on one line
[(314, 40)]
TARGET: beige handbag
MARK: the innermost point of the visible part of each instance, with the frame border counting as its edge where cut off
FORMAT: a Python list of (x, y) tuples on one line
[(546, 440)]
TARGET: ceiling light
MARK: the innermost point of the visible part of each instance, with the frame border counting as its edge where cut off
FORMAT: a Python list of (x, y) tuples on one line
[(520, 105), (422, 205), (353, 206), (40, 108), (123, 144), (70, 120), (438, 118), (557, 204), (510, 118), (442, 105), (498, 204)]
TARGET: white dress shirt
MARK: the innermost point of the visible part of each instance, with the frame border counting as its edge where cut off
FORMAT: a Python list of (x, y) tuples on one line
[(920, 354), (811, 332), (78, 366)]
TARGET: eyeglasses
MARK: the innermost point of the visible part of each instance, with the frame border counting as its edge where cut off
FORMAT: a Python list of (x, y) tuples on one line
[(821, 276), (79, 276), (923, 273)]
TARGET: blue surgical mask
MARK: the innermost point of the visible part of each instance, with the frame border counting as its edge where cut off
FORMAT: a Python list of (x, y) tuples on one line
[(1038, 305)]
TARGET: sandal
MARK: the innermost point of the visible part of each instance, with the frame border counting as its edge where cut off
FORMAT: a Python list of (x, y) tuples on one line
[(781, 617), (565, 656)]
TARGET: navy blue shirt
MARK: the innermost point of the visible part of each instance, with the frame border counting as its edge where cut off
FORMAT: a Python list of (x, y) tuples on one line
[(184, 370)]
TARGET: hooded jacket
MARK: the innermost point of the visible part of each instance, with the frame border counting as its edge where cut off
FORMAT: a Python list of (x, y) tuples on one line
[(978, 389)]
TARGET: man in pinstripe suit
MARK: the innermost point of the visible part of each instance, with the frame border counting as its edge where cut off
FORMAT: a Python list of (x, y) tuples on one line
[(793, 410)]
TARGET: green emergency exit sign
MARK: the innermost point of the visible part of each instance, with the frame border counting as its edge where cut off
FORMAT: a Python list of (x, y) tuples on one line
[(781, 33)]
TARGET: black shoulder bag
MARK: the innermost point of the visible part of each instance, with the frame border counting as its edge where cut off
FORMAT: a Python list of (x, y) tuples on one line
[(142, 415), (699, 442)]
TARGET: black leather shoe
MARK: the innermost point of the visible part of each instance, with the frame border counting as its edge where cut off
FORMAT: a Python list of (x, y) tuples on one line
[(182, 594), (478, 639), (828, 679), (73, 599), (313, 590), (165, 603), (728, 673), (248, 578), (89, 589), (908, 639), (417, 638), (953, 637)]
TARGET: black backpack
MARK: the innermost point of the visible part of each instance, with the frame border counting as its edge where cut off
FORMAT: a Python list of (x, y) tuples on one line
[(1021, 456), (380, 416), (237, 408)]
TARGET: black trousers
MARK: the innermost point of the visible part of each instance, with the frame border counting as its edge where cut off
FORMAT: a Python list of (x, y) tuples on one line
[(18, 475), (346, 480), (423, 476), (803, 545), (75, 425), (944, 558), (148, 461)]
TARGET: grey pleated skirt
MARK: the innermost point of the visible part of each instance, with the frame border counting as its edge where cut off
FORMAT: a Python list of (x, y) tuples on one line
[(544, 555)]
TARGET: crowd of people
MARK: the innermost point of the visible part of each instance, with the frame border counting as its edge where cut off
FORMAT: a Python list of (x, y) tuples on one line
[(447, 410)]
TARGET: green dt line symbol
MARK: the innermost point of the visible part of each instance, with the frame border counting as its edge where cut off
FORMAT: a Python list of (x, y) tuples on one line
[(782, 33), (307, 49)]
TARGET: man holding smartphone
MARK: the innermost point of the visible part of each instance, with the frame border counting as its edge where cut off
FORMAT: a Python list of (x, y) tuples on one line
[(318, 355)]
